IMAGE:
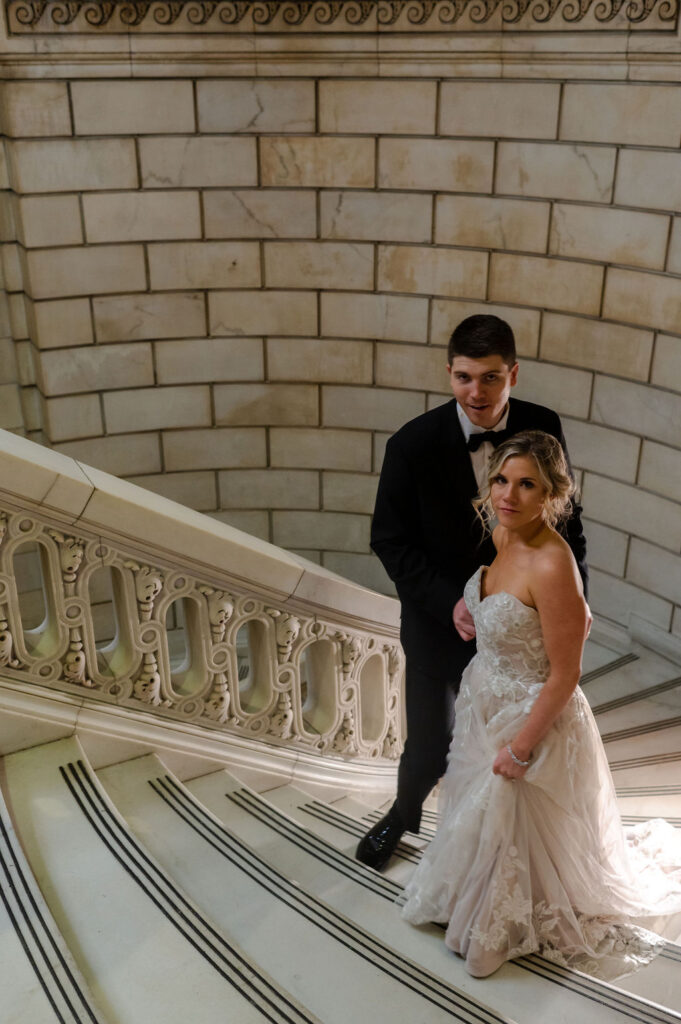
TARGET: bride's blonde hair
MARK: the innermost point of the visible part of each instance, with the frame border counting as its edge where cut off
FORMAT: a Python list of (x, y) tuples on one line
[(552, 467)]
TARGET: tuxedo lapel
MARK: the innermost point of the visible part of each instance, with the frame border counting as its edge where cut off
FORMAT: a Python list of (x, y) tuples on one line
[(466, 484)]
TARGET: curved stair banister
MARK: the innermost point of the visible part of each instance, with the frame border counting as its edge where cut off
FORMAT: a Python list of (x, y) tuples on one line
[(207, 626)]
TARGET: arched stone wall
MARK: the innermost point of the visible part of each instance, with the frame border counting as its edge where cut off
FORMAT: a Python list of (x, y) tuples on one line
[(231, 284)]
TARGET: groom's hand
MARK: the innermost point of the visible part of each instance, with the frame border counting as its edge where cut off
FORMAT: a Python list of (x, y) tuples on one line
[(463, 620)]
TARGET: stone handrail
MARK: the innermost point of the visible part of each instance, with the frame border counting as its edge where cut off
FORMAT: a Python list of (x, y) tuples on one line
[(274, 647)]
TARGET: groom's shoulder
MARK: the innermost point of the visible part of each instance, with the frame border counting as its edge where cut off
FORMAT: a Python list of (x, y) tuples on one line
[(429, 425), (531, 416)]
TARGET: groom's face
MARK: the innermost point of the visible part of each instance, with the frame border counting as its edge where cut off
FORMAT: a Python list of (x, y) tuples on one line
[(481, 387)]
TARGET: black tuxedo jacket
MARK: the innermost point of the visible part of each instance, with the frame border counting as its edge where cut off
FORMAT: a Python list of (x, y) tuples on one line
[(427, 535)]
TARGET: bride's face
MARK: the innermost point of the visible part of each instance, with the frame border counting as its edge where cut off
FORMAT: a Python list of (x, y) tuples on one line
[(517, 493)]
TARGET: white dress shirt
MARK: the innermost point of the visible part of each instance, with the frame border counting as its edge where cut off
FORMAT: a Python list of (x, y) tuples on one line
[(479, 458)]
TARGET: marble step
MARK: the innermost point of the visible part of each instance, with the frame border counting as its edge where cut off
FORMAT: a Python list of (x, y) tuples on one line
[(41, 982), (648, 707), (341, 971), (652, 743), (369, 898), (627, 678), (147, 953), (596, 657)]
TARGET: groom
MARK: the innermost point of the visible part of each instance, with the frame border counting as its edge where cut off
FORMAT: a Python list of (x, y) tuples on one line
[(426, 533)]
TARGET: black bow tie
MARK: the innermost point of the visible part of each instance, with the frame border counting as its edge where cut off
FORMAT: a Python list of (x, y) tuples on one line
[(494, 437)]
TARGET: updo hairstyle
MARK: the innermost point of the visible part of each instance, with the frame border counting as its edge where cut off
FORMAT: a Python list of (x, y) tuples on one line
[(552, 467)]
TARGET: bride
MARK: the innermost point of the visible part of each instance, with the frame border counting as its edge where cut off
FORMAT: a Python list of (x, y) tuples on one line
[(530, 855)]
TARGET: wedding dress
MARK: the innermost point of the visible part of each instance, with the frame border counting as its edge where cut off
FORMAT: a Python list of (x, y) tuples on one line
[(541, 864)]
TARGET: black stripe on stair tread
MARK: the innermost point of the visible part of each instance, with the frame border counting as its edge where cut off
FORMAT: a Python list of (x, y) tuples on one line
[(313, 845), (641, 730), (648, 791), (413, 976), (623, 1002), (275, 1005), (634, 698), (425, 832), (331, 816), (610, 666), (16, 884)]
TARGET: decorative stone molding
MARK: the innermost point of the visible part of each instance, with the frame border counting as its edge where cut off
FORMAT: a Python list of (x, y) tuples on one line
[(276, 697), (193, 16)]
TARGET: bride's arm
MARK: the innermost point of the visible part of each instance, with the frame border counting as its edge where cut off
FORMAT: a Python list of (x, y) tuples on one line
[(557, 593)]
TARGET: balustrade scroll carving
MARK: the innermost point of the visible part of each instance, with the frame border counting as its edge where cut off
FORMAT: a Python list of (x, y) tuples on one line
[(97, 16), (276, 702)]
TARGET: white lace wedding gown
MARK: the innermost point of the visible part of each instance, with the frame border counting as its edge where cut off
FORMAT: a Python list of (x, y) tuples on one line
[(541, 864)]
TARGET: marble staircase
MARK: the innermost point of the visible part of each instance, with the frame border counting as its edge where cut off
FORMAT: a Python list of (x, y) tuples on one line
[(138, 893)]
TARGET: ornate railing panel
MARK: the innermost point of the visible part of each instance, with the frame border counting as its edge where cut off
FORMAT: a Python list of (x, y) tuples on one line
[(156, 16), (148, 634)]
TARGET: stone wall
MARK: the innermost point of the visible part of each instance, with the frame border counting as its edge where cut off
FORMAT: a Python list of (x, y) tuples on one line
[(230, 281)]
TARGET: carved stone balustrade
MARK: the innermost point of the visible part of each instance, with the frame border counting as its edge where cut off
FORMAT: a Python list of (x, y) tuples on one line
[(114, 594)]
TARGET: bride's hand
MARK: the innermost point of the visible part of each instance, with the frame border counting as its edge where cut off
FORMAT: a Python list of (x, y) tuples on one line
[(505, 766), (463, 620)]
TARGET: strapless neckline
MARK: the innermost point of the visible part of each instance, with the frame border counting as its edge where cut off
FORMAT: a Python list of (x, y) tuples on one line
[(500, 593)]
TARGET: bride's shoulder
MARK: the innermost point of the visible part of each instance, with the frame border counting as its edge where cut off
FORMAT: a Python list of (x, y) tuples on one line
[(553, 562)]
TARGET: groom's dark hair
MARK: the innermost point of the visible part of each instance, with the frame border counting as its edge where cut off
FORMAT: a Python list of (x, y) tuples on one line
[(482, 335)]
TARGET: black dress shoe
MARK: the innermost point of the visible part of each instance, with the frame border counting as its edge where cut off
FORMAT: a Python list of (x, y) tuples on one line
[(378, 845)]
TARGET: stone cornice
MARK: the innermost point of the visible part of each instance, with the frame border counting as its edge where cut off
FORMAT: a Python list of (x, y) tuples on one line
[(38, 17)]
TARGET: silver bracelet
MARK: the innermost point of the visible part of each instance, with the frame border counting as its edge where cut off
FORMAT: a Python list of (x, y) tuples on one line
[(516, 760)]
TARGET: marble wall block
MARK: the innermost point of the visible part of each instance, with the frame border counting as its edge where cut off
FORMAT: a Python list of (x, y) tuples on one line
[(566, 390), (653, 413), (432, 271), (218, 448), (375, 216), (492, 223), (607, 547), (204, 265), (366, 569), (269, 488), (11, 416), (207, 360), (266, 404), (192, 162), (649, 178), (141, 216), (652, 567), (196, 490), (373, 408), (44, 221), (319, 265), (71, 417), (617, 600), (252, 521), (446, 314), (263, 312), (349, 492), (317, 162), (643, 115), (61, 323), (614, 236), (536, 281), (319, 361), (119, 454), (138, 317), (96, 368), (132, 108), (608, 452), (660, 470), (72, 165), (157, 408), (248, 213), (377, 108), (261, 105), (35, 109), (597, 345), (56, 273), (556, 171), (499, 109), (384, 317), (650, 300), (447, 165), (410, 366), (666, 371), (633, 510), (336, 530), (323, 448)]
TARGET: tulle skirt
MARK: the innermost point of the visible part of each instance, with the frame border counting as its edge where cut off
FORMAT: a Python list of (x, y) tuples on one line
[(542, 864)]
